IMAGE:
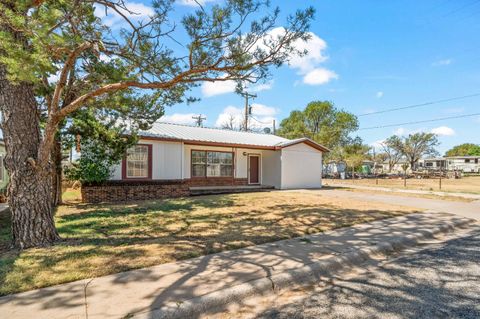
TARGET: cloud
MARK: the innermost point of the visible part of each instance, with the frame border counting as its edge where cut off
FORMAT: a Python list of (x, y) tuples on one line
[(222, 87), (442, 62), (400, 131), (261, 87), (308, 65), (136, 12), (377, 144), (379, 94), (218, 87), (319, 76), (262, 115), (193, 3), (179, 118), (443, 131)]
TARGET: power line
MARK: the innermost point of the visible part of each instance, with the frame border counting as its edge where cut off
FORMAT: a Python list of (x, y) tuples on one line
[(199, 120), (418, 122), (420, 105)]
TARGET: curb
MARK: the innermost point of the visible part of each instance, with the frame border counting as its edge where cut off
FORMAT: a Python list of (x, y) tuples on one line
[(305, 275)]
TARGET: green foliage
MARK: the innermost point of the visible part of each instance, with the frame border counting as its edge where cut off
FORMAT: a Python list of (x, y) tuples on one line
[(322, 122), (95, 163), (467, 149), (414, 146), (67, 48)]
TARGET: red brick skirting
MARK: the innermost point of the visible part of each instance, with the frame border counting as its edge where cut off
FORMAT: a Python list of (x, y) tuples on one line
[(122, 191)]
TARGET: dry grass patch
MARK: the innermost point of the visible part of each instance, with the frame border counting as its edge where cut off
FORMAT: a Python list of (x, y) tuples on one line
[(469, 184), (105, 239)]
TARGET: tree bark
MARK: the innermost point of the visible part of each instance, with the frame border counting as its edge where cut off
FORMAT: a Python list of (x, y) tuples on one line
[(57, 172), (30, 187)]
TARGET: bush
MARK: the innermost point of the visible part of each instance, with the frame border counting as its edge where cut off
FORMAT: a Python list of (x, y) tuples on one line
[(94, 166)]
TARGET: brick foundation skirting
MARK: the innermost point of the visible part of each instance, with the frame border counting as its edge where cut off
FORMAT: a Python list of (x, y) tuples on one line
[(122, 191)]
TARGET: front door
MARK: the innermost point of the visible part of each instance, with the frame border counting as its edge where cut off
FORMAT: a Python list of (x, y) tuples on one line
[(254, 169)]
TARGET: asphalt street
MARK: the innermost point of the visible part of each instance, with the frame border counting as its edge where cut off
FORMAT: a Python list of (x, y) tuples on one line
[(440, 281)]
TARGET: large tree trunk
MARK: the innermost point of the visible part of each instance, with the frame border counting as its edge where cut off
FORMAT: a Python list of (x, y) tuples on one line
[(30, 188)]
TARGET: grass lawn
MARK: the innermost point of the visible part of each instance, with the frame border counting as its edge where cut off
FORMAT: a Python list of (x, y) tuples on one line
[(104, 239)]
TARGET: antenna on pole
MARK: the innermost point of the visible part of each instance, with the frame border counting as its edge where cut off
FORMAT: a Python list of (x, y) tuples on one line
[(248, 109), (199, 120)]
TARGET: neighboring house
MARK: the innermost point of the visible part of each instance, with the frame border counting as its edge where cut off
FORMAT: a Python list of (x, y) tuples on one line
[(397, 168), (466, 164), (3, 171), (334, 168), (432, 164), (187, 156)]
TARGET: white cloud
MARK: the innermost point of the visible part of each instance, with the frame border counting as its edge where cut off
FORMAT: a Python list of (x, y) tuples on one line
[(136, 12), (443, 131), (218, 87), (263, 115), (400, 131), (179, 118), (442, 62), (193, 3), (319, 76), (379, 94), (227, 113), (261, 87), (377, 144), (308, 64)]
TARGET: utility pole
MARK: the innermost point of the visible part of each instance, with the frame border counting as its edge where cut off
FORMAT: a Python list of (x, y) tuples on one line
[(199, 120), (274, 128), (248, 111)]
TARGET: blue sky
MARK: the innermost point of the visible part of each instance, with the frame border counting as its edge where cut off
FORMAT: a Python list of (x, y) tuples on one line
[(368, 56)]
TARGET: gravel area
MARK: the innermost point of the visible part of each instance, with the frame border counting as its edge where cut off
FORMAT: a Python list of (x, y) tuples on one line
[(441, 281)]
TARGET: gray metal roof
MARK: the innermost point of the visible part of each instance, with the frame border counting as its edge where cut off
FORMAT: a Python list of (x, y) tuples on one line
[(215, 135)]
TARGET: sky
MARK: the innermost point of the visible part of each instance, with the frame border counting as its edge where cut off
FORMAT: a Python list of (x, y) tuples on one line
[(365, 56)]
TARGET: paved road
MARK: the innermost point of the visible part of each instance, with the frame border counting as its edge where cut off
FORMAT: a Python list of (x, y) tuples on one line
[(441, 281)]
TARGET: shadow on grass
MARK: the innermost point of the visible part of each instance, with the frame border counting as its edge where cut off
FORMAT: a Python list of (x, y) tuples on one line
[(106, 239)]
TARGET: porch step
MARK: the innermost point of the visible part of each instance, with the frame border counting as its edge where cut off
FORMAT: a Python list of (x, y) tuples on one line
[(211, 190)]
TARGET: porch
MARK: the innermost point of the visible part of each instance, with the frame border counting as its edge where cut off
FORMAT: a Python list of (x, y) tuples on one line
[(212, 190)]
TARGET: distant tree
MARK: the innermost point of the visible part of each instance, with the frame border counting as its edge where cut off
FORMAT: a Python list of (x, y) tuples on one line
[(353, 153), (467, 149), (415, 146), (392, 150), (322, 122)]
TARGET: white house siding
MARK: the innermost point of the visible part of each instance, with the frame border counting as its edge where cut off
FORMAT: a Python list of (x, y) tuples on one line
[(166, 160), (301, 167), (271, 168)]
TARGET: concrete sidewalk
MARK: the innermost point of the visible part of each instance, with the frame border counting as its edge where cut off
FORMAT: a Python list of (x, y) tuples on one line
[(189, 287)]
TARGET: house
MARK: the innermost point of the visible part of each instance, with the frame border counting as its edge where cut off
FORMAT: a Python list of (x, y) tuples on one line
[(432, 164), (398, 168), (466, 164), (173, 160)]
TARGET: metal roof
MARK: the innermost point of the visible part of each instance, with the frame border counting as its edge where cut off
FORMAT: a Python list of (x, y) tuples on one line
[(188, 133)]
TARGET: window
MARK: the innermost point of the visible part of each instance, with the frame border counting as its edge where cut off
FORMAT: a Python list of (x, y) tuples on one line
[(476, 161), (429, 164), (137, 163), (212, 164), (467, 161)]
